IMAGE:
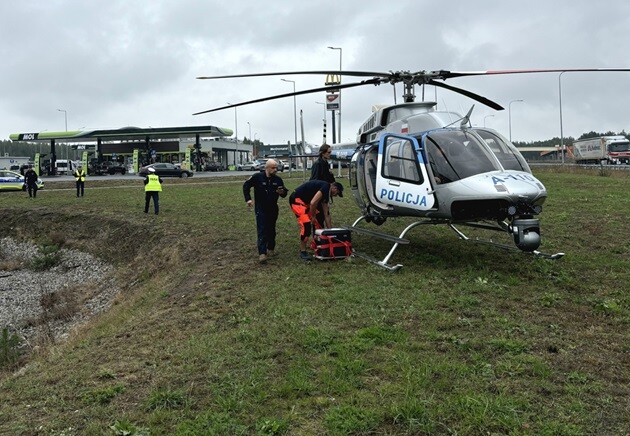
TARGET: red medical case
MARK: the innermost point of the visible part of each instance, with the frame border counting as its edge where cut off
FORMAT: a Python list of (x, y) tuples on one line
[(332, 243)]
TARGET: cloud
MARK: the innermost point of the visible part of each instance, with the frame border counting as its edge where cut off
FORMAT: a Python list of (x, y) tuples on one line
[(111, 64)]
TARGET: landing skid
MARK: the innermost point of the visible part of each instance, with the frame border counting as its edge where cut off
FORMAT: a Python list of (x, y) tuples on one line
[(503, 246), (400, 240)]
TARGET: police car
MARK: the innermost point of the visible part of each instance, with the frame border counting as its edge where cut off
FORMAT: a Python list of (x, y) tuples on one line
[(12, 181)]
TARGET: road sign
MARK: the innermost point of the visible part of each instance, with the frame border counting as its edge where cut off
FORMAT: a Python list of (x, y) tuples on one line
[(332, 102)]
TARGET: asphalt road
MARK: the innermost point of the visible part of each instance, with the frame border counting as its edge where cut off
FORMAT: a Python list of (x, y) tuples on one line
[(198, 175)]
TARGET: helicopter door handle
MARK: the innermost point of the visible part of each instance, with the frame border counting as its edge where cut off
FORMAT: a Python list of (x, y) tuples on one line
[(394, 183)]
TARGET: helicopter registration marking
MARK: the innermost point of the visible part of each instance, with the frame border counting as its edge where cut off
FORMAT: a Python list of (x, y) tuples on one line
[(519, 177), (403, 197)]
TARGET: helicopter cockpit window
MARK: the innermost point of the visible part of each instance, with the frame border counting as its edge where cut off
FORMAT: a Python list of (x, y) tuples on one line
[(456, 154), (510, 158), (400, 161)]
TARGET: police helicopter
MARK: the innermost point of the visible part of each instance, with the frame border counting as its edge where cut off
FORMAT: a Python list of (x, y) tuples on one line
[(413, 160)]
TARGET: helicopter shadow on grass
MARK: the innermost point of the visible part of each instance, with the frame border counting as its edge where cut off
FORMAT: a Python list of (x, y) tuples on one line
[(437, 249)]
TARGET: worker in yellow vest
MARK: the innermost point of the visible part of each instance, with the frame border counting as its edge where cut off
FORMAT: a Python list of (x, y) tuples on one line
[(152, 189), (79, 176)]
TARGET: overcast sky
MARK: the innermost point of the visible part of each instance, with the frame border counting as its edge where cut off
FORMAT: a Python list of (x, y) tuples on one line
[(112, 64)]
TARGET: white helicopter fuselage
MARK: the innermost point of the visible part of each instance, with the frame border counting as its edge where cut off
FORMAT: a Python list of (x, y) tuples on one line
[(414, 161)]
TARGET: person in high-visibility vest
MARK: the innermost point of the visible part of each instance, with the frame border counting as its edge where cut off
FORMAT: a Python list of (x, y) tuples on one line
[(79, 176), (152, 189)]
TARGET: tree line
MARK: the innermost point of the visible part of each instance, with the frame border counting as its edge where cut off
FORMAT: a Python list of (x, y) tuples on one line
[(28, 149), (555, 141)]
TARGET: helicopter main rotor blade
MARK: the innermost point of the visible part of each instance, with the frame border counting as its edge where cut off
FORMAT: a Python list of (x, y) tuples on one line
[(286, 73), (418, 76), (375, 81), (452, 74), (477, 97)]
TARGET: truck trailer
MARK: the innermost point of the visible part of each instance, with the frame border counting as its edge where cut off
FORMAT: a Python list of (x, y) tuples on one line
[(612, 150), (13, 163)]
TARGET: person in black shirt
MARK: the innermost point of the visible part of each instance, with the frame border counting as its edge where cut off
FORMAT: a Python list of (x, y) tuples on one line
[(30, 178), (267, 188), (321, 171), (307, 199), (321, 167)]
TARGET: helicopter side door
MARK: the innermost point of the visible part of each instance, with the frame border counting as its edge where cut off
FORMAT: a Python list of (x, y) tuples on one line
[(402, 179)]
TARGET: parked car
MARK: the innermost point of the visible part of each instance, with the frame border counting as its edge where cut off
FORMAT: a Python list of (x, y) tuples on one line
[(283, 165), (263, 161), (248, 166), (13, 181), (214, 166), (165, 170), (112, 167)]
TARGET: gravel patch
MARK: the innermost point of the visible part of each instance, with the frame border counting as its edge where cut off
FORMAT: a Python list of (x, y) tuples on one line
[(54, 301)]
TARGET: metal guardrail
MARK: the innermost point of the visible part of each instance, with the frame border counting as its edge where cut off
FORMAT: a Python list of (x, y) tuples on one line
[(581, 166)]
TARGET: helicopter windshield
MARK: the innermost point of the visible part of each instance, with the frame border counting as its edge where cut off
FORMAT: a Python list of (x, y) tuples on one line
[(503, 149), (457, 154)]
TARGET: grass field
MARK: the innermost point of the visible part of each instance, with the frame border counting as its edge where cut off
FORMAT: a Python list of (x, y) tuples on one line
[(464, 339)]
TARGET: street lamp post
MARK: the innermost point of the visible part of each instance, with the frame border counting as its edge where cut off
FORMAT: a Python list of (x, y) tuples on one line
[(324, 136), (294, 111), (340, 68), (250, 131), (236, 155), (65, 116), (484, 119), (560, 101), (510, 116)]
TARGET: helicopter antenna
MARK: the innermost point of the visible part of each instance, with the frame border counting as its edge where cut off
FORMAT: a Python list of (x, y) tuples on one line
[(463, 120), (450, 114), (466, 119)]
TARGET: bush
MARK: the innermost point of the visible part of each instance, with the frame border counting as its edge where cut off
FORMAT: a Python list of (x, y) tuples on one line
[(50, 257), (9, 348)]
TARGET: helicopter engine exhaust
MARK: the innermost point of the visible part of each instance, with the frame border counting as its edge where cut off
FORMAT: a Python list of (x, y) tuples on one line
[(526, 233)]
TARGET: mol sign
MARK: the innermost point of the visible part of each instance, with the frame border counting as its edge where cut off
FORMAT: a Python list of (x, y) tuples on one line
[(332, 102)]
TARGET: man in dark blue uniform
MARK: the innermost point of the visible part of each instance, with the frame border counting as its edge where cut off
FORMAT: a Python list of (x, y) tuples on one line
[(30, 179), (267, 187), (309, 199)]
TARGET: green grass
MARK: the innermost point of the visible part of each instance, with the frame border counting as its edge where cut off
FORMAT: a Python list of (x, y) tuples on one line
[(464, 339)]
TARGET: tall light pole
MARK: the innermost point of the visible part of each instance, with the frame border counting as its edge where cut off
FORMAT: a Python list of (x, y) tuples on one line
[(484, 119), (65, 116), (340, 68), (324, 136), (560, 101), (294, 113), (236, 155), (250, 131), (510, 116)]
